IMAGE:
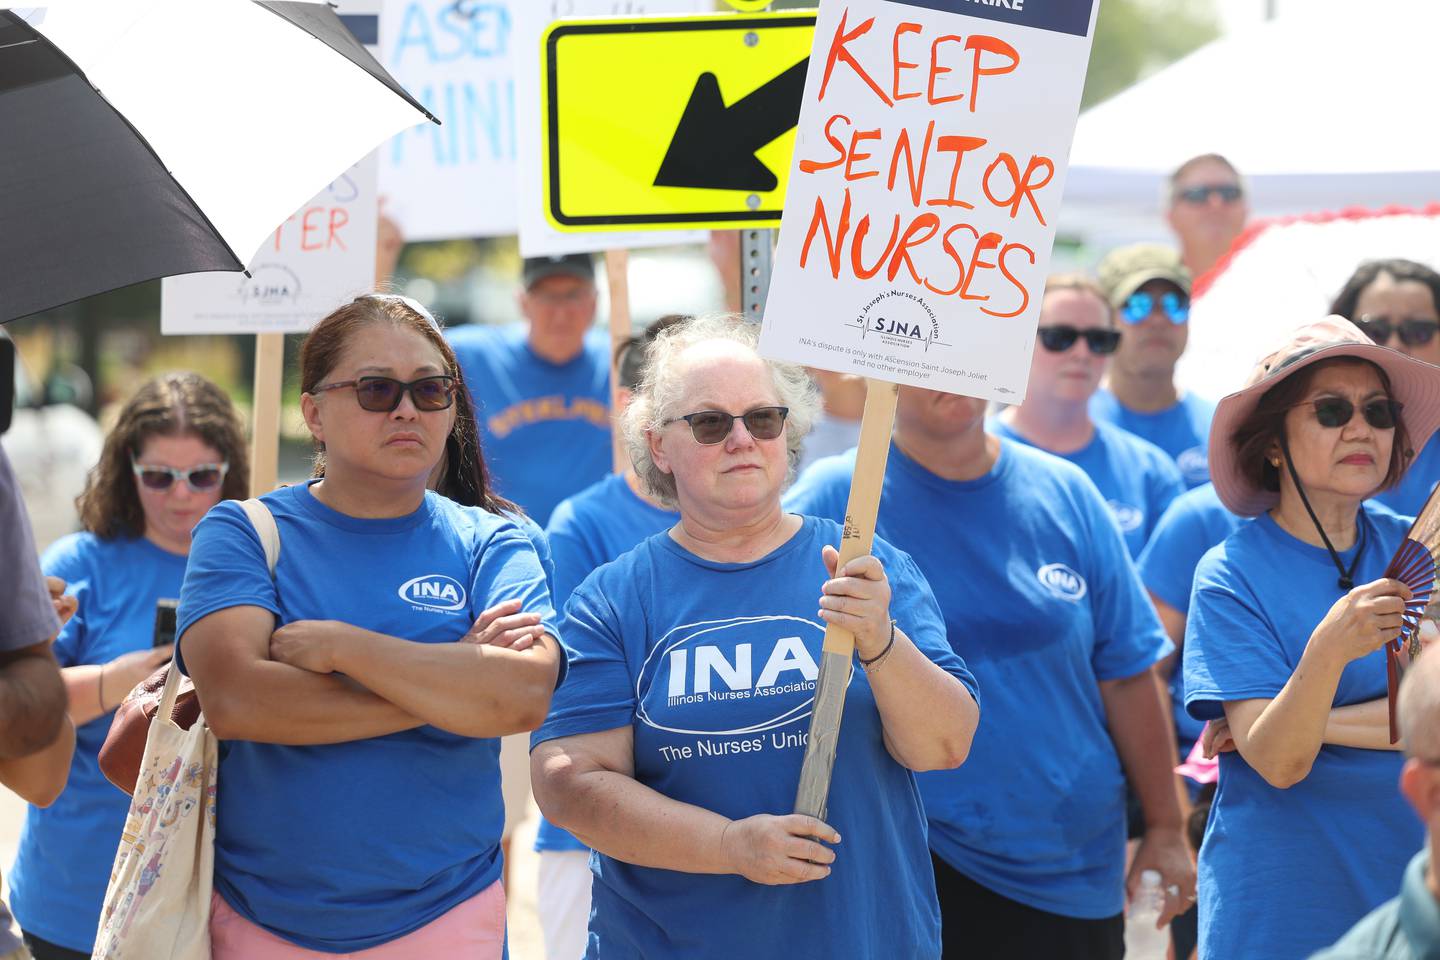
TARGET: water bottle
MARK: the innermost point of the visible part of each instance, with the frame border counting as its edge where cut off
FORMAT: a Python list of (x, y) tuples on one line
[(1142, 940)]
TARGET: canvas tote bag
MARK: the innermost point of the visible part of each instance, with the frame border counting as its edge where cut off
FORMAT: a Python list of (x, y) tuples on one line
[(157, 906)]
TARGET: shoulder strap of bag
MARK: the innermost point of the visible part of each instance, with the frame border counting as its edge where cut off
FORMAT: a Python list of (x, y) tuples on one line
[(264, 523)]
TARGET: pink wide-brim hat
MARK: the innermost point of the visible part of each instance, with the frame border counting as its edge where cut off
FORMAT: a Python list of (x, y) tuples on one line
[(1414, 383)]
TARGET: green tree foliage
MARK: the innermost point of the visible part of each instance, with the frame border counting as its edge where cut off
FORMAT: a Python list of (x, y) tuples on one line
[(1134, 38)]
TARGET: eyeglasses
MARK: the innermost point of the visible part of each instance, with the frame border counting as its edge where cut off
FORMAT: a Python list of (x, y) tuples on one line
[(1227, 192), (1381, 413), (1414, 331), (382, 394), (1139, 305), (205, 476), (713, 426), (1059, 337)]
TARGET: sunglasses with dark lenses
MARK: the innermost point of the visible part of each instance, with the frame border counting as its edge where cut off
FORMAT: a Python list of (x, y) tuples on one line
[(1414, 331), (1139, 305), (1059, 338), (1198, 195), (206, 476), (1381, 413), (382, 394), (713, 426)]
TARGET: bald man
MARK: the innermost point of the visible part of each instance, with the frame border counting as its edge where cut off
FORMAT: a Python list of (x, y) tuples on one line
[(1408, 927)]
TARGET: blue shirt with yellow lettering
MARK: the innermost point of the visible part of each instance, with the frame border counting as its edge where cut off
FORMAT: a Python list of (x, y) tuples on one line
[(545, 427)]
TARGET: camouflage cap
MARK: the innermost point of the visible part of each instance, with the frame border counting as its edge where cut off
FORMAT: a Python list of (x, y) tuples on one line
[(1126, 269)]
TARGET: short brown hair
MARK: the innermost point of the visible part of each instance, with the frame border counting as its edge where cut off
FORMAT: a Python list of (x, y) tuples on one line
[(465, 479), (1266, 423), (171, 405), (1083, 283)]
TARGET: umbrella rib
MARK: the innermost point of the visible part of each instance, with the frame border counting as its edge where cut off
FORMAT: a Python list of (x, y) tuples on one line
[(240, 265)]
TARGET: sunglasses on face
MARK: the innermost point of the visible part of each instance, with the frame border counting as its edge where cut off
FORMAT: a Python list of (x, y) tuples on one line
[(206, 476), (1414, 331), (1139, 305), (713, 426), (1227, 192), (1059, 337), (382, 394), (1382, 413)]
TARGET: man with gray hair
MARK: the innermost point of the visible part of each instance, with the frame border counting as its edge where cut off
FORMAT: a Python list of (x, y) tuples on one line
[(1408, 927), (1207, 210)]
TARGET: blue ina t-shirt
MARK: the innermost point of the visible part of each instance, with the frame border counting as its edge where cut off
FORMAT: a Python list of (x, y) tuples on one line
[(545, 427), (1408, 497), (1286, 872), (67, 849), (1136, 478), (1194, 522), (1043, 602), (1182, 431), (713, 667), (587, 531), (342, 847)]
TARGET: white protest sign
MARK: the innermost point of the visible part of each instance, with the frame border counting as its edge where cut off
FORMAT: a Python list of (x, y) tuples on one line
[(456, 57), (537, 237), (323, 255), (928, 170)]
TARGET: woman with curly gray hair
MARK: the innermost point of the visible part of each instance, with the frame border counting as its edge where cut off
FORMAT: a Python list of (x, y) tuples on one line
[(675, 746)]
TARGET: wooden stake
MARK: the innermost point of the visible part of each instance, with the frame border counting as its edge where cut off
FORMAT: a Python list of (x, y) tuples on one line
[(835, 660), (265, 423), (617, 274)]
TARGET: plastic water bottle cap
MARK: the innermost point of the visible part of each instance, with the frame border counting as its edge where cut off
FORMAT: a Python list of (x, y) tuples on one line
[(1150, 878)]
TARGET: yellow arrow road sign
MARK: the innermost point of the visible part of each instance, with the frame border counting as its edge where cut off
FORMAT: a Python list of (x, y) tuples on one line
[(659, 123)]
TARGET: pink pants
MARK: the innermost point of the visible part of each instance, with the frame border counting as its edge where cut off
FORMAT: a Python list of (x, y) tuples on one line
[(473, 930)]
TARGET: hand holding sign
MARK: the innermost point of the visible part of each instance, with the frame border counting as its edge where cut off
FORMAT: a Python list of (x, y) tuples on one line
[(929, 161)]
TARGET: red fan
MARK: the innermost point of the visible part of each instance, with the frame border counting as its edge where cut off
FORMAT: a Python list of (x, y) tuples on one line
[(1414, 565)]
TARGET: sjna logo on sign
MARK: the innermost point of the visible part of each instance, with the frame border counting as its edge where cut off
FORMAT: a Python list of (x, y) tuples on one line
[(1062, 581), (434, 591)]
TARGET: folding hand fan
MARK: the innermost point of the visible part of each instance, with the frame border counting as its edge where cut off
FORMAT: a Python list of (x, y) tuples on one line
[(1414, 565)]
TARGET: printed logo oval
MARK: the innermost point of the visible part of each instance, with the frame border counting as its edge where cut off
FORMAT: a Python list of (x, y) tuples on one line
[(434, 591), (1062, 581), (1130, 518), (1194, 465)]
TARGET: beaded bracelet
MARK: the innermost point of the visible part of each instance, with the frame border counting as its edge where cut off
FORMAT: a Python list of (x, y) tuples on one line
[(873, 661)]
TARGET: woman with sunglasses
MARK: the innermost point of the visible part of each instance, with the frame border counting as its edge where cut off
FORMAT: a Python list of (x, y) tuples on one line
[(358, 709), (1396, 303), (1073, 344), (177, 449), (674, 749), (1307, 832)]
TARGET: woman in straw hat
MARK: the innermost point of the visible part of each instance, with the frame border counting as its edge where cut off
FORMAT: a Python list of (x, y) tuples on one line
[(1287, 622)]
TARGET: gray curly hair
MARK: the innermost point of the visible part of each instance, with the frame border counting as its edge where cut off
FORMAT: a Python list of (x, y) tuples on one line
[(660, 390)]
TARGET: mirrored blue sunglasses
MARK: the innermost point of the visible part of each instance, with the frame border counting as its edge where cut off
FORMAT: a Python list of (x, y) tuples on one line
[(1139, 305)]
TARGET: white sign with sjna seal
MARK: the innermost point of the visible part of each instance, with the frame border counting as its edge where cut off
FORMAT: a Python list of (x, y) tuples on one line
[(323, 255), (928, 171)]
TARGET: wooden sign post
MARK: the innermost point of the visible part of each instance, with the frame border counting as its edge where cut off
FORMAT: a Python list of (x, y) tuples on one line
[(617, 276), (265, 418), (919, 215)]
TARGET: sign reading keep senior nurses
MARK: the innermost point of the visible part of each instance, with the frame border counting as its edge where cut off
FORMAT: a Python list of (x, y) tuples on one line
[(928, 170)]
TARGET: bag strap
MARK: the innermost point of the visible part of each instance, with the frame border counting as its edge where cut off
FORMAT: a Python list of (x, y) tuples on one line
[(264, 523)]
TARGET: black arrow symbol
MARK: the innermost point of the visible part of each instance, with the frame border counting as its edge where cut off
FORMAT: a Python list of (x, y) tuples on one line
[(714, 145)]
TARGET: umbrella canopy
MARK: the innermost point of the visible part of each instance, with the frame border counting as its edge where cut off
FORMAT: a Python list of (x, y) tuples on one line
[(1285, 272), (1316, 111), (150, 138)]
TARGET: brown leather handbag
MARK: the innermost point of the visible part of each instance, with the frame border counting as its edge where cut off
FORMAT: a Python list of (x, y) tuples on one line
[(124, 746), (125, 743)]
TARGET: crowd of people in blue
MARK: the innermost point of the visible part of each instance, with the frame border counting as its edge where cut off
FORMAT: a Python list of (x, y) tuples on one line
[(1064, 599)]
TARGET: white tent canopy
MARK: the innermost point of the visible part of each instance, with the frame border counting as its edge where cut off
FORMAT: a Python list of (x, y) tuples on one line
[(1318, 113)]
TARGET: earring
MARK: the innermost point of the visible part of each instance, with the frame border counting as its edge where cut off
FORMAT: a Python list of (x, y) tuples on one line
[(1275, 463)]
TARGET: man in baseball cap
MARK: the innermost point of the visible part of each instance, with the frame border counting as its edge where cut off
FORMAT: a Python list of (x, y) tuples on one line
[(1150, 290)]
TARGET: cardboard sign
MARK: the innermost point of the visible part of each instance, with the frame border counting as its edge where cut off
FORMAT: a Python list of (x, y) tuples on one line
[(538, 238), (928, 170), (654, 123), (323, 255)]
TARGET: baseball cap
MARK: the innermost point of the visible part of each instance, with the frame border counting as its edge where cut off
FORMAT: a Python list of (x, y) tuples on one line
[(1126, 269), (579, 265)]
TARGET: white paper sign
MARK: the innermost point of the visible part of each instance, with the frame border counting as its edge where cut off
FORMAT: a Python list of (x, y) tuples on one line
[(457, 58), (928, 171), (537, 237), (322, 256)]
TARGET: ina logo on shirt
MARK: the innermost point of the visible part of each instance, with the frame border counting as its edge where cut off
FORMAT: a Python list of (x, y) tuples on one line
[(434, 591), (1130, 518), (1062, 581)]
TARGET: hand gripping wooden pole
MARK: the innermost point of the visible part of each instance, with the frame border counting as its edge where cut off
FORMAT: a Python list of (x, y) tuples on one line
[(617, 276), (265, 419), (836, 655)]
